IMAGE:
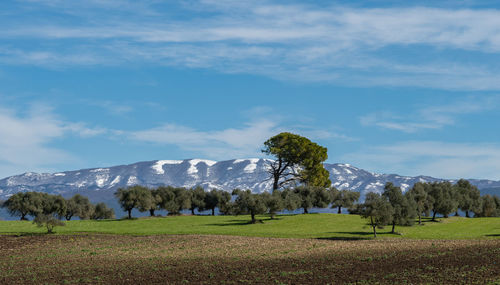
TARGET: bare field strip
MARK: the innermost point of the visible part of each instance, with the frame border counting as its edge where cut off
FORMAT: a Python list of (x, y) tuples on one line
[(166, 259)]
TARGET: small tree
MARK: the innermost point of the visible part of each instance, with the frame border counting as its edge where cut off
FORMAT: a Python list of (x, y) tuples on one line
[(469, 197), (197, 199), (79, 206), (174, 199), (344, 198), (443, 198), (49, 221), (418, 194), (218, 198), (18, 205), (404, 211), (310, 197), (103, 212), (378, 210), (248, 203), (134, 197), (274, 202), (490, 207)]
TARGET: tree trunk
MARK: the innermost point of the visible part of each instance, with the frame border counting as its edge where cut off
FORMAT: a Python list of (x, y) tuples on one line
[(374, 227), (419, 219), (393, 226), (192, 211), (340, 210), (152, 212), (273, 215), (213, 211), (306, 211), (275, 183), (433, 216), (23, 217), (253, 217), (446, 216), (467, 214), (130, 214), (456, 214)]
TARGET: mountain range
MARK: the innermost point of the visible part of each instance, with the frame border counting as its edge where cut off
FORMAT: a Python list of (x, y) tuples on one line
[(100, 183)]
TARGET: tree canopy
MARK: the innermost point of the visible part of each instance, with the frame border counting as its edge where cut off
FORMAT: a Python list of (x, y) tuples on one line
[(297, 160)]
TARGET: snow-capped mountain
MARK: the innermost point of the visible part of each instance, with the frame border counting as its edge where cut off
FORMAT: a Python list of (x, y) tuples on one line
[(100, 183)]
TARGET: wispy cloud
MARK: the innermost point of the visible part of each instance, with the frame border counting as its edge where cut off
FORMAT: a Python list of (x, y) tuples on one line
[(244, 141), (336, 44), (435, 158), (27, 137), (429, 118)]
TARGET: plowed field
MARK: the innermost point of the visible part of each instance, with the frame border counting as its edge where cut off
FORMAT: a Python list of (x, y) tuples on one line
[(167, 259)]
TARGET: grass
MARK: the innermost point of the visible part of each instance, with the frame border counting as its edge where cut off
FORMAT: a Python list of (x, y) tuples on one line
[(322, 226)]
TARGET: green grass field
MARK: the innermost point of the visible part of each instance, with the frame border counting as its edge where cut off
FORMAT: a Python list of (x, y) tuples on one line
[(332, 226)]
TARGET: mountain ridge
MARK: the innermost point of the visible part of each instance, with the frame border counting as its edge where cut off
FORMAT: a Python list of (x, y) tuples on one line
[(249, 173)]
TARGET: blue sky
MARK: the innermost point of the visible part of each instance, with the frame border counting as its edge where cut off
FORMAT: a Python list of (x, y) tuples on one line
[(386, 87)]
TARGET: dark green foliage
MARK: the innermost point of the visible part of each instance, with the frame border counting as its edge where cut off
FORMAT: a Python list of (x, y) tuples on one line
[(419, 195), (103, 212), (343, 198), (404, 209), (197, 198), (490, 207), (468, 196), (218, 198), (291, 200), (310, 197), (47, 220), (296, 152), (79, 206), (274, 202), (248, 203), (138, 197), (443, 198), (174, 199), (377, 210), (19, 204)]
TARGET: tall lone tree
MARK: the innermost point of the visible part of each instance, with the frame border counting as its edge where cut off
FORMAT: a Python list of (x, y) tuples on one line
[(297, 160)]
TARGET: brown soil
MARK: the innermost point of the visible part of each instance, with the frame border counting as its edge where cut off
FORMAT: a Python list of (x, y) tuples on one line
[(113, 259)]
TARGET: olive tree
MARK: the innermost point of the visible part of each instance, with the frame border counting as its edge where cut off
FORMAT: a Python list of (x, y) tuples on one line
[(248, 203), (377, 210), (344, 198)]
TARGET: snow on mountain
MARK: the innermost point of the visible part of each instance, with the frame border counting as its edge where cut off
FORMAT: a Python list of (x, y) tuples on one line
[(227, 175)]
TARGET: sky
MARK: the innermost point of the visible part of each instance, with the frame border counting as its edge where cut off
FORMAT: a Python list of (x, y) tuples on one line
[(406, 87)]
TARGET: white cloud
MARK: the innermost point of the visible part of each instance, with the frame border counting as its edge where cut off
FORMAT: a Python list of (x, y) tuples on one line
[(227, 143), (26, 138), (337, 44), (434, 158), (429, 118)]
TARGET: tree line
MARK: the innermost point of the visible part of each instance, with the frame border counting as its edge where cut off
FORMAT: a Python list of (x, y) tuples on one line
[(34, 204), (239, 202), (392, 207)]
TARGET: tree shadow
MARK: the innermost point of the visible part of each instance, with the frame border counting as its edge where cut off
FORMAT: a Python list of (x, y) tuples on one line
[(492, 235), (238, 223), (344, 238), (358, 235), (28, 234)]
